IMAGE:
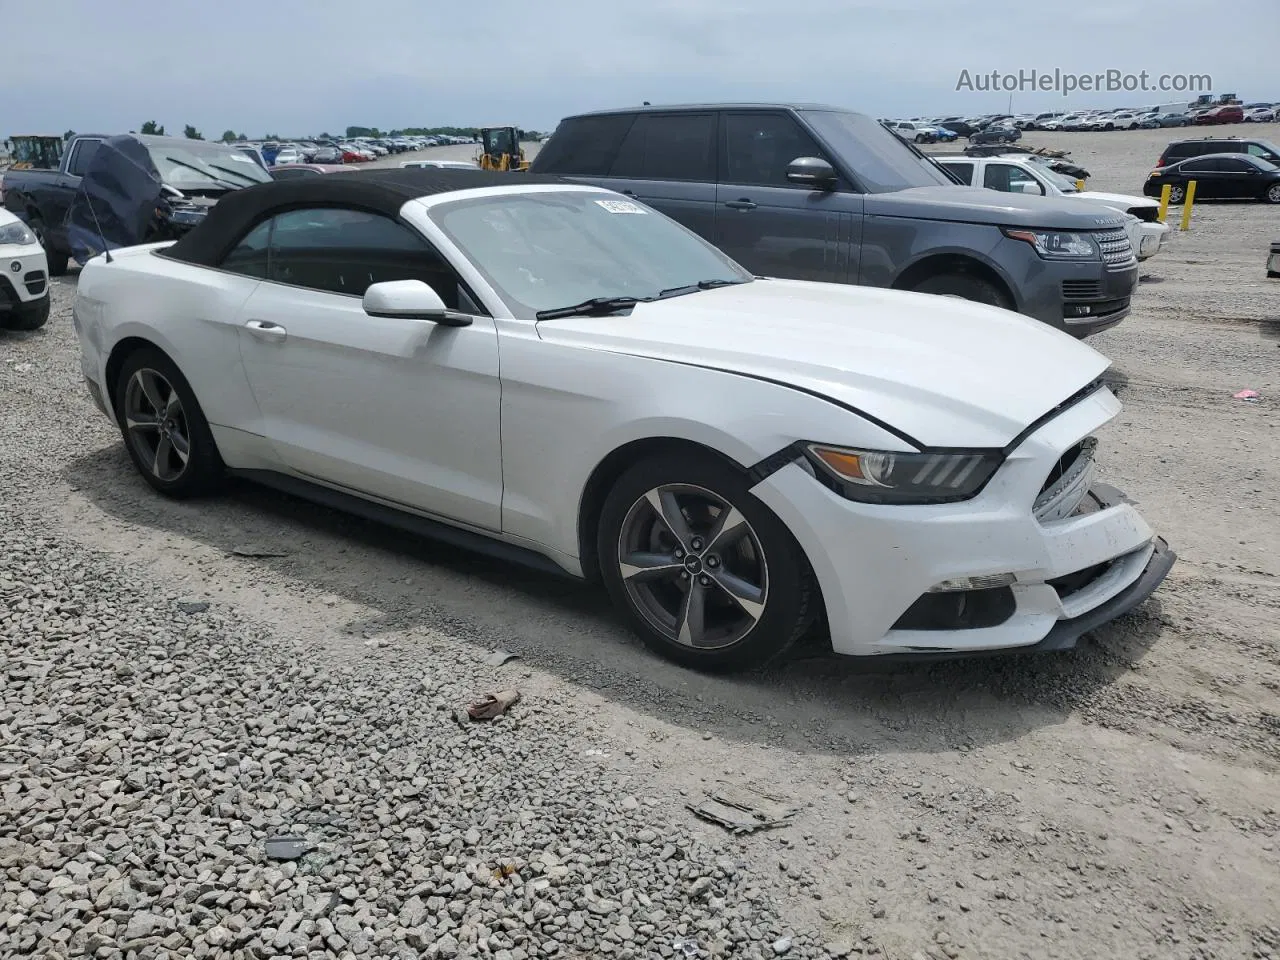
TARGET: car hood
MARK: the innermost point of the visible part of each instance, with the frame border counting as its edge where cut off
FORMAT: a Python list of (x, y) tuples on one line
[(980, 205), (945, 371), (1116, 199)]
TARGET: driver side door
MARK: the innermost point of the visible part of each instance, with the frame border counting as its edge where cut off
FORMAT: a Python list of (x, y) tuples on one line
[(402, 410)]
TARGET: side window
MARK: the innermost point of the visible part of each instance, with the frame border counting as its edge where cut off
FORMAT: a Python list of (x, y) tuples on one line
[(81, 154), (249, 256), (345, 251), (674, 146), (962, 170), (1228, 165), (758, 148), (1201, 166), (585, 146), (1258, 150), (1007, 178)]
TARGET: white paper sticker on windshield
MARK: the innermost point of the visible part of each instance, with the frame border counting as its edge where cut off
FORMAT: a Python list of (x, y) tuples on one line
[(621, 206), (243, 157)]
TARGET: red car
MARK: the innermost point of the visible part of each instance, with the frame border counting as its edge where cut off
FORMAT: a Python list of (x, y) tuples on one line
[(1224, 114)]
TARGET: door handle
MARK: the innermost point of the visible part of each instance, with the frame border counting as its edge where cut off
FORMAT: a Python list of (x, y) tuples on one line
[(266, 330), (743, 204)]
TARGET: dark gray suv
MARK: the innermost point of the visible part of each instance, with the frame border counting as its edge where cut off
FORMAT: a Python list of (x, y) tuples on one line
[(820, 193)]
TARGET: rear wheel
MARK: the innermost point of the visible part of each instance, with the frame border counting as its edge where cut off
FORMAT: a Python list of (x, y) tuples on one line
[(1273, 193), (966, 286), (1177, 193), (57, 261), (707, 574), (164, 429)]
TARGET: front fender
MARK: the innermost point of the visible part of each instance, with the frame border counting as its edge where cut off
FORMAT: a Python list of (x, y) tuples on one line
[(565, 409)]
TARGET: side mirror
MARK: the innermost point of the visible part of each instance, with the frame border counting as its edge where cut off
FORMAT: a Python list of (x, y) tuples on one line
[(410, 300), (1033, 188), (812, 172)]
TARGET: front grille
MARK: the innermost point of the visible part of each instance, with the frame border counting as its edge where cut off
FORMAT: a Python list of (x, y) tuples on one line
[(35, 282), (1081, 289), (1068, 482), (1146, 214), (1116, 250)]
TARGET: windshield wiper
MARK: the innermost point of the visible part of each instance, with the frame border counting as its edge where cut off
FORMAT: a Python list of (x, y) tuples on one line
[(236, 173), (595, 307), (204, 173), (695, 287)]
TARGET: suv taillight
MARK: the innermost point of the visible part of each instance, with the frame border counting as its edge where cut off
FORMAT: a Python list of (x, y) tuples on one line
[(1160, 163)]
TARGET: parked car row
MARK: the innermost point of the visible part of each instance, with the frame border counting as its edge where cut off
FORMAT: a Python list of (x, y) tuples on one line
[(1204, 111), (347, 150)]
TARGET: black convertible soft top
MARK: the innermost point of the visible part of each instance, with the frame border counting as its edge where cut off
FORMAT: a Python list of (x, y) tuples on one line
[(379, 190)]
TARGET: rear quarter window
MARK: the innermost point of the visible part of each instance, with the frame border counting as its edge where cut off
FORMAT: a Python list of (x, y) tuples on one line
[(585, 146)]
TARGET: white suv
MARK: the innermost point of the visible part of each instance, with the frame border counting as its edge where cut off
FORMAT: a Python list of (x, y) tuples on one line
[(1023, 173), (24, 276)]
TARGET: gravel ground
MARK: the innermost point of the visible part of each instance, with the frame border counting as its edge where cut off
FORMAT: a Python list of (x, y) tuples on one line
[(170, 705)]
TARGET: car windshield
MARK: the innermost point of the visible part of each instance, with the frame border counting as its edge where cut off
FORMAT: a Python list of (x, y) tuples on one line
[(184, 166), (879, 160), (547, 250)]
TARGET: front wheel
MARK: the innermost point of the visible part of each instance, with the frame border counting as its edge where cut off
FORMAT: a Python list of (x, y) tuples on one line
[(164, 429), (57, 261), (708, 576), (1177, 194), (1273, 193)]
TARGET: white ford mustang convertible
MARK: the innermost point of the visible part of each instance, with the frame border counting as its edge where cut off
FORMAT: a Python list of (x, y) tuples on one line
[(558, 374)]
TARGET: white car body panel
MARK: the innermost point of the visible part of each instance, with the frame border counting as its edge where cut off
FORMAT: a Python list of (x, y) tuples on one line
[(498, 426)]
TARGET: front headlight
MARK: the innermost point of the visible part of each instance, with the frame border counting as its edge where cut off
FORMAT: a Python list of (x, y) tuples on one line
[(1057, 244), (873, 476), (17, 234)]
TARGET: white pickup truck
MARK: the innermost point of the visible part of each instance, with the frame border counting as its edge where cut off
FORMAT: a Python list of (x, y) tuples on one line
[(1023, 173)]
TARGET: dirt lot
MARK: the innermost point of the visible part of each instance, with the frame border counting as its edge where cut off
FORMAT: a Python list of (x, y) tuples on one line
[(1118, 801)]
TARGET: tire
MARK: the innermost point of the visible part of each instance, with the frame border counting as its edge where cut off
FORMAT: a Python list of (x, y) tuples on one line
[(1177, 194), (966, 286), (757, 555), (919, 138), (57, 261), (27, 316), (1273, 194), (144, 389)]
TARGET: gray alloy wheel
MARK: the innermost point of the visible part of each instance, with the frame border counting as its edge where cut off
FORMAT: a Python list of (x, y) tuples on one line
[(156, 424), (1273, 195), (1177, 194), (693, 567)]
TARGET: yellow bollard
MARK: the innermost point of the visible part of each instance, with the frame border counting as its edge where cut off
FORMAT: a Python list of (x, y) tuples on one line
[(1187, 205), (1164, 201), (1080, 185)]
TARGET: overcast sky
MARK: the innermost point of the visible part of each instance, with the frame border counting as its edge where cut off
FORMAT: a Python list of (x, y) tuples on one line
[(306, 66)]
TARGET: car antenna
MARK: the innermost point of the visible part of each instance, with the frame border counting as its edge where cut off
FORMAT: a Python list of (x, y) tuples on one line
[(106, 250)]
